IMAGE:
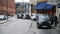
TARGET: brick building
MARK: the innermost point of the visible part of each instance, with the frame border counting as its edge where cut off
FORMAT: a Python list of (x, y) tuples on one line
[(7, 5)]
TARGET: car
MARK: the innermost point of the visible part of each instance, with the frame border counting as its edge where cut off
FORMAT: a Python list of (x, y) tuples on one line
[(27, 16), (19, 16), (24, 15), (33, 16), (43, 21), (2, 17)]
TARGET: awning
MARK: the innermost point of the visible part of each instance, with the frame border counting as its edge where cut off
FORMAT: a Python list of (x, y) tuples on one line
[(40, 6), (43, 5), (48, 6)]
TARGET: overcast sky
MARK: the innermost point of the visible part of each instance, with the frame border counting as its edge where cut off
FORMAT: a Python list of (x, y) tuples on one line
[(21, 0)]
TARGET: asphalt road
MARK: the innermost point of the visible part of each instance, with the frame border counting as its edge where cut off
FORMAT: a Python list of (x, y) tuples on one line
[(18, 27), (35, 30), (24, 26)]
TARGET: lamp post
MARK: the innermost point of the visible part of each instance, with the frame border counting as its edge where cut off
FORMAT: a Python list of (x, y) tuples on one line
[(2, 6), (7, 9)]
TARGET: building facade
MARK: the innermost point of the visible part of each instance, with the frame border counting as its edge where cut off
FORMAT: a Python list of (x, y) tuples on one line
[(33, 3), (23, 8), (54, 2), (7, 7), (36, 1)]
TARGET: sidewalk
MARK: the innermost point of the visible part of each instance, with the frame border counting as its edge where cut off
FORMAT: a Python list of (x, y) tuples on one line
[(5, 21), (58, 26), (20, 26)]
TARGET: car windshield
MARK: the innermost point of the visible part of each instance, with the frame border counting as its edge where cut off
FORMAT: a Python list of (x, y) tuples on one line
[(43, 17), (46, 17)]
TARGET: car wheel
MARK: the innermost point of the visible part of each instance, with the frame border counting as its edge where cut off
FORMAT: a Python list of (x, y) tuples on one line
[(49, 26), (25, 17), (39, 26), (52, 23), (34, 19)]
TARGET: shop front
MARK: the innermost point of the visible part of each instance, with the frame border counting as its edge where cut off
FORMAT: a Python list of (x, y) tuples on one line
[(44, 8)]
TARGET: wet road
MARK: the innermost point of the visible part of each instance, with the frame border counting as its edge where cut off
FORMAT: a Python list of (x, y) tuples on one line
[(22, 26)]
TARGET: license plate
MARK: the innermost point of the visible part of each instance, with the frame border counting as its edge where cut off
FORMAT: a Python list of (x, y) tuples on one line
[(44, 26)]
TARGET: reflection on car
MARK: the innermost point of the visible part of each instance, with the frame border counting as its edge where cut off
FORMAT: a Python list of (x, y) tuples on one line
[(2, 17)]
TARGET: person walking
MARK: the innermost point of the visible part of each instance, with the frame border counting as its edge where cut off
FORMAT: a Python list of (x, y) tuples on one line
[(55, 20), (51, 19)]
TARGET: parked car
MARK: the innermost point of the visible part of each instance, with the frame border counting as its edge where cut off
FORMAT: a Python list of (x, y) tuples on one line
[(43, 21), (19, 16), (24, 15), (2, 17), (33, 16), (27, 16)]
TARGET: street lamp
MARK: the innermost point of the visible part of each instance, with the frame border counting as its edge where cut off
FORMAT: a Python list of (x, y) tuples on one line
[(7, 9)]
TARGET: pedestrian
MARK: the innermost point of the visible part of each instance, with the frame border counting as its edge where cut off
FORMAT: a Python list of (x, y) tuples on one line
[(51, 19), (55, 20)]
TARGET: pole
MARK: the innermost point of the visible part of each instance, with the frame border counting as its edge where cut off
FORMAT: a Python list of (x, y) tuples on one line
[(7, 10), (2, 6)]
